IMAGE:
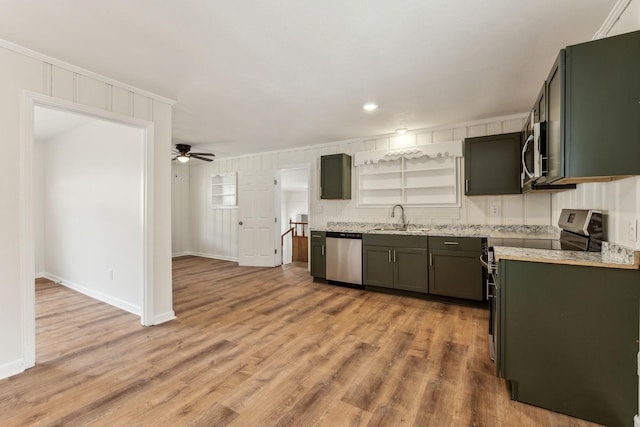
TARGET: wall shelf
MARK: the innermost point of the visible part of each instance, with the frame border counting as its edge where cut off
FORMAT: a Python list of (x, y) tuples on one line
[(224, 190)]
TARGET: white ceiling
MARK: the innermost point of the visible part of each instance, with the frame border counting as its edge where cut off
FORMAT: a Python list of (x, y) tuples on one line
[(251, 76)]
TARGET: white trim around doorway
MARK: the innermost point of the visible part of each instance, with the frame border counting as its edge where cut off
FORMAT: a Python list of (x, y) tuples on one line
[(29, 100)]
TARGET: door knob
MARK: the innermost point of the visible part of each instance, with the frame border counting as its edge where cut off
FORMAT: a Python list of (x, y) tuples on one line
[(240, 223)]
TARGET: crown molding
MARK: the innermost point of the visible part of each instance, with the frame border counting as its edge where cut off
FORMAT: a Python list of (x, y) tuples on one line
[(610, 21)]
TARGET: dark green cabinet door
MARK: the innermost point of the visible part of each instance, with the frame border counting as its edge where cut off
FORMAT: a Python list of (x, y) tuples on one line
[(377, 266), (335, 176), (603, 107), (568, 338), (556, 120), (492, 164), (318, 255), (411, 273), (456, 274)]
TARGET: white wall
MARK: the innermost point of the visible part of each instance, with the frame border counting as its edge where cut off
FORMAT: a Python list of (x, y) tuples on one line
[(38, 206), (92, 207), (179, 209), (20, 70), (214, 231)]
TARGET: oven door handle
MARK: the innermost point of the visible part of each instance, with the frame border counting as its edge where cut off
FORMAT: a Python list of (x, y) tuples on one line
[(485, 264)]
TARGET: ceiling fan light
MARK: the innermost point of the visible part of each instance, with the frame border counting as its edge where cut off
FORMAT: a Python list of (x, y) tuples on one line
[(183, 158)]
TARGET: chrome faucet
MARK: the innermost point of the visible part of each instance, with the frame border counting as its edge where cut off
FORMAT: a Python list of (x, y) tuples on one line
[(403, 219)]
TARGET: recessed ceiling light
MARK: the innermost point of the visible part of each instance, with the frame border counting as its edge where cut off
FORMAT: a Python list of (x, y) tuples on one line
[(402, 130), (370, 106)]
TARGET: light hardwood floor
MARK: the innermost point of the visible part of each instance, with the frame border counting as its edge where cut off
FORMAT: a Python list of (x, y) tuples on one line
[(262, 347)]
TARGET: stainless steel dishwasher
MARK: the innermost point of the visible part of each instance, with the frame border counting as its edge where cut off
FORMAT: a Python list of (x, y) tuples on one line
[(344, 257)]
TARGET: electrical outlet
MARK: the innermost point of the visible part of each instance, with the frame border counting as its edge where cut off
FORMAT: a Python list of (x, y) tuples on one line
[(494, 208), (632, 230)]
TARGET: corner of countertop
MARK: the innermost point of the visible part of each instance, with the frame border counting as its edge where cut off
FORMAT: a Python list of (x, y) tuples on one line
[(620, 254)]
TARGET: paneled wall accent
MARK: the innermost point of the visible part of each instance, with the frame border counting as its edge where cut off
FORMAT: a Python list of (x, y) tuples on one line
[(618, 200), (180, 209), (214, 232), (72, 86)]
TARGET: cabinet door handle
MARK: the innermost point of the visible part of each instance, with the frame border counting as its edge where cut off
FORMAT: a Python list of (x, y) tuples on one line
[(389, 255), (322, 249), (466, 185), (430, 259), (451, 243), (394, 256)]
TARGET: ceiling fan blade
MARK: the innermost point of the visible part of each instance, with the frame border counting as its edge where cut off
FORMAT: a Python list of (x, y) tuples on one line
[(201, 158), (202, 154)]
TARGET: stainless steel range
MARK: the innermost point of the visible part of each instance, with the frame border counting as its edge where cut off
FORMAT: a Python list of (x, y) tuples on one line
[(581, 230)]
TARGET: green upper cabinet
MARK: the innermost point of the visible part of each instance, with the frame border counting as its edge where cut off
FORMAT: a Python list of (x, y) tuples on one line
[(594, 111), (603, 112), (335, 177), (492, 164)]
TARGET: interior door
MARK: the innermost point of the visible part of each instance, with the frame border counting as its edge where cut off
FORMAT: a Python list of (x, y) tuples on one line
[(257, 232)]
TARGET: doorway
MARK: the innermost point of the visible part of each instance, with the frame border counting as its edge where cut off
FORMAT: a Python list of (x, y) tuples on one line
[(87, 185), (294, 215)]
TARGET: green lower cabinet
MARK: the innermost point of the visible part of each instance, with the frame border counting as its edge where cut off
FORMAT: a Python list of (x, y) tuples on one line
[(395, 268), (568, 338), (456, 274), (318, 255), (377, 266), (411, 272)]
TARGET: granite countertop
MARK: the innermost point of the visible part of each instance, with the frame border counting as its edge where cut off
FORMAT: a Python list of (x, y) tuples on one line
[(612, 255), (463, 230)]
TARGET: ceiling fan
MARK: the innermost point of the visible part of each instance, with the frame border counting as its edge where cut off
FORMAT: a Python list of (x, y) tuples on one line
[(183, 154)]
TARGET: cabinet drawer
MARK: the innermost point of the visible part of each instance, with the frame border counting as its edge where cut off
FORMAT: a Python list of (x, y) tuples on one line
[(318, 236), (456, 243), (418, 242)]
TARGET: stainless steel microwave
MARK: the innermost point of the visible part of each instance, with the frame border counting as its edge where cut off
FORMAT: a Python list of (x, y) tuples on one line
[(533, 155)]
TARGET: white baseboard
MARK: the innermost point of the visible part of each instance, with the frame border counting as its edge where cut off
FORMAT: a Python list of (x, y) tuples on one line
[(177, 254), (164, 317), (12, 368), (116, 302), (636, 421), (212, 256)]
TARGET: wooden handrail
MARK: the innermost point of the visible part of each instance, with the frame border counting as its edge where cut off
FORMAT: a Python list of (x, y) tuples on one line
[(295, 225), (285, 233), (282, 243), (293, 229)]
